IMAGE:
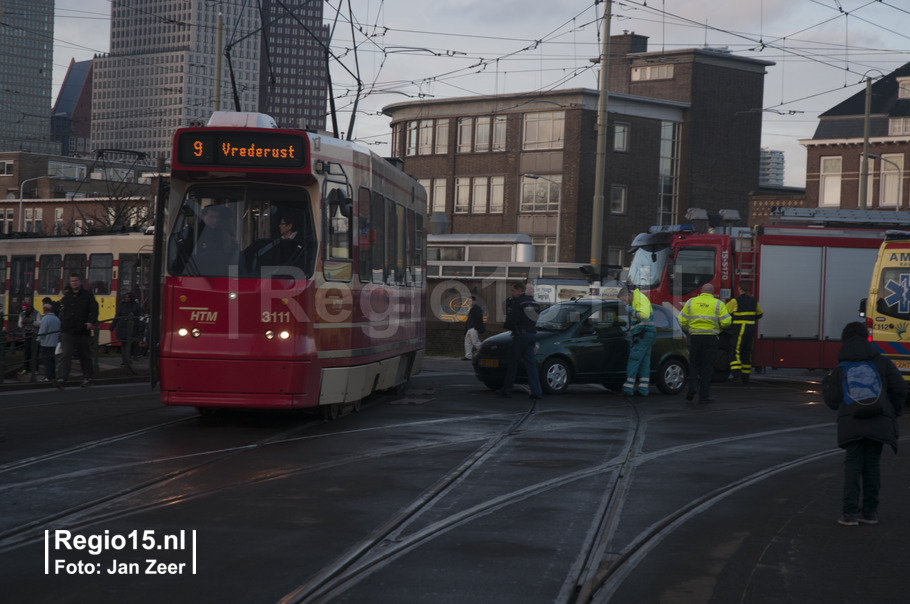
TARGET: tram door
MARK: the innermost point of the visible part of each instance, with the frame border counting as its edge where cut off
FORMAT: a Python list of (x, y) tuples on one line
[(135, 276), (21, 286)]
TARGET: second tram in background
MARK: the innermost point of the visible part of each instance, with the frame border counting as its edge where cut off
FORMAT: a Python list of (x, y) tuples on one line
[(34, 268), (293, 270)]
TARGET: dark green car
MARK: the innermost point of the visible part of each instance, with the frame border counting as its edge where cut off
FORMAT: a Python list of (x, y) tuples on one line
[(587, 342)]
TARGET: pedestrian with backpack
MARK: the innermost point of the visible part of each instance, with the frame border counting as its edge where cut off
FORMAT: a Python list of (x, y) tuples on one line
[(867, 391)]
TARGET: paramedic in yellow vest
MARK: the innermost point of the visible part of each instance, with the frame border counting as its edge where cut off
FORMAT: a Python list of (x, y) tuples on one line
[(641, 321), (703, 318), (745, 311)]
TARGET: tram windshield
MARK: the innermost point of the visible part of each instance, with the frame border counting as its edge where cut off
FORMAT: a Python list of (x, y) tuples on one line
[(243, 231)]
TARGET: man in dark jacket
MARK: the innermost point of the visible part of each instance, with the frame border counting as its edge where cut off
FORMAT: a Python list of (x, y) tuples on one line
[(862, 437), (78, 316), (521, 320)]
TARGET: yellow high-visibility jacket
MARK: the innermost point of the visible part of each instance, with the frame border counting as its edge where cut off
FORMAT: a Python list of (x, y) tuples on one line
[(704, 315)]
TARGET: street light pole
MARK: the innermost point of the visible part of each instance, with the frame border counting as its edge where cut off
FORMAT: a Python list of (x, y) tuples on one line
[(597, 211)]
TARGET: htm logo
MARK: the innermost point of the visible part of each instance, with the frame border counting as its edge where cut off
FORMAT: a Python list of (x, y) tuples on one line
[(204, 316)]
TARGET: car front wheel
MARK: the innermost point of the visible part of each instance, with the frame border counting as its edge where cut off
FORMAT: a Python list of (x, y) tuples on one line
[(671, 376), (555, 376)]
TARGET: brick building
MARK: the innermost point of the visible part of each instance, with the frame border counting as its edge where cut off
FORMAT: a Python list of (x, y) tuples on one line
[(57, 195), (525, 163), (834, 153)]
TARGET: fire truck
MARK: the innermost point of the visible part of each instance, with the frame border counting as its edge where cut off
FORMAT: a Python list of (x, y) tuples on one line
[(809, 268)]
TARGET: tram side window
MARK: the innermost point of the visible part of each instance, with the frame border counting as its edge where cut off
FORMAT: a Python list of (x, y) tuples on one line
[(74, 264), (418, 250), (2, 274), (409, 247), (337, 263), (49, 273), (393, 243), (692, 268), (377, 212), (366, 237), (100, 273)]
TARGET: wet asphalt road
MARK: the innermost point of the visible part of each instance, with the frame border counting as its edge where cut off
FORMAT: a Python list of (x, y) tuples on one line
[(447, 494)]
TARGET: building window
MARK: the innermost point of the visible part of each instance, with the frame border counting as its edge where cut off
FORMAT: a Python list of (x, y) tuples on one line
[(544, 249), (497, 188), (899, 126), (618, 196), (499, 133), (539, 195), (482, 135), (829, 181), (465, 130), (620, 136), (425, 138), (439, 195), (462, 195), (892, 170), (614, 256), (442, 137), (10, 225), (412, 138), (544, 130), (668, 184), (479, 196), (6, 167), (903, 88), (652, 72)]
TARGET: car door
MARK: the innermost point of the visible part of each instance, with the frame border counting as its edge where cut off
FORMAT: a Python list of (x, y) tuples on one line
[(600, 340), (615, 342)]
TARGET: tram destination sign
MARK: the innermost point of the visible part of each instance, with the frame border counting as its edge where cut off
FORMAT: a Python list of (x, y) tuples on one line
[(233, 149)]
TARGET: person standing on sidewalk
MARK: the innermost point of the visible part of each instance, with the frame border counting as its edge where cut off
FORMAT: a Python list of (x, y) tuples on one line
[(862, 437), (29, 321), (643, 336), (78, 317), (745, 310), (702, 318), (473, 327), (48, 336)]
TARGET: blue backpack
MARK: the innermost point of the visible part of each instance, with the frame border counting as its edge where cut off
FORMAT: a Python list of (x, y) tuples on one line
[(861, 384)]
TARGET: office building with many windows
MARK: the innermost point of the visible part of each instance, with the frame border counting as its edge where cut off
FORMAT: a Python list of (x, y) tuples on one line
[(160, 74), (26, 73)]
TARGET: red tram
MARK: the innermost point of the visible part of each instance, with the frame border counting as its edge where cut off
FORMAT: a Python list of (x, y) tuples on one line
[(293, 270)]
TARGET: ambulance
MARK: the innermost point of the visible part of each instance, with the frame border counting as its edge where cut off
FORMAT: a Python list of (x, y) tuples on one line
[(887, 308)]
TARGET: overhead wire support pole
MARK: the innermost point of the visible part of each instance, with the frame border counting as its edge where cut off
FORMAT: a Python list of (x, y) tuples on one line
[(864, 170), (600, 172)]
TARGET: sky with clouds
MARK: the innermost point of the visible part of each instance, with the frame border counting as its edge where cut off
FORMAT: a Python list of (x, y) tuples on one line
[(411, 49)]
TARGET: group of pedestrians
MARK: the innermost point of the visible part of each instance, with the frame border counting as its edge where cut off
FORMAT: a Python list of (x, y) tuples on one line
[(65, 329)]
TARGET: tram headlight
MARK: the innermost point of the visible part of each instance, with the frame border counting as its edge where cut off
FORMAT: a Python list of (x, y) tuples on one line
[(284, 335), (269, 334), (196, 332), (182, 332), (232, 295)]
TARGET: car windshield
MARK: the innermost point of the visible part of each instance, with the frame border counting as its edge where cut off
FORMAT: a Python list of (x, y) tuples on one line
[(233, 230), (561, 316)]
